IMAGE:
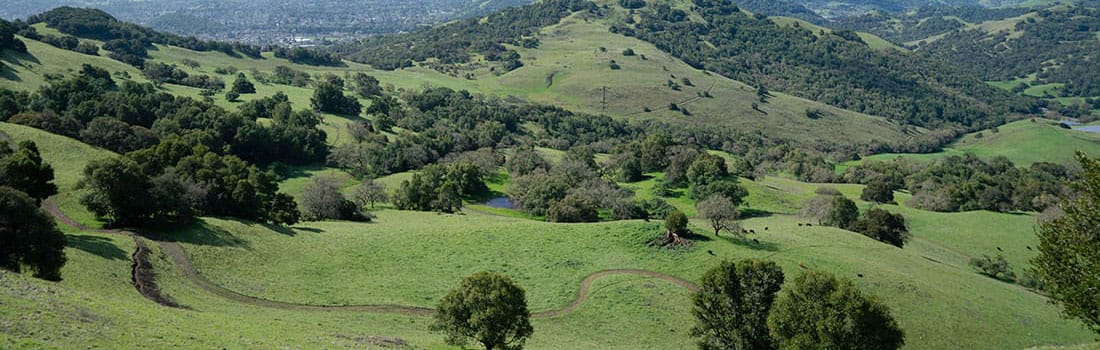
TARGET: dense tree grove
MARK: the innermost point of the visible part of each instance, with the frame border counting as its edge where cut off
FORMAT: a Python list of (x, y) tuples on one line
[(733, 303), (29, 238), (488, 308), (440, 187), (329, 97), (174, 181), (166, 73), (832, 69), (964, 183), (456, 41), (441, 121), (308, 56), (1069, 249), (132, 116), (64, 42), (820, 311), (183, 157), (737, 307)]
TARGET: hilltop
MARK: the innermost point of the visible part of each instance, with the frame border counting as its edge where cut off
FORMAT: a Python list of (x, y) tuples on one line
[(836, 67), (571, 68)]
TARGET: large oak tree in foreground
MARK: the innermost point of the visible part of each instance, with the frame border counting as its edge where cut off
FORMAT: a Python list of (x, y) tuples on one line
[(1069, 250), (488, 308), (820, 311), (29, 237), (732, 305)]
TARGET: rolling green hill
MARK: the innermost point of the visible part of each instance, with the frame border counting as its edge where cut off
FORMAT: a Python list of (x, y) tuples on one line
[(411, 258), (568, 69), (1053, 48), (339, 284), (1023, 142)]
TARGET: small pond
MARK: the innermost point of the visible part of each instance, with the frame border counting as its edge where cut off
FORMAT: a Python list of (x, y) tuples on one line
[(1090, 128), (501, 202)]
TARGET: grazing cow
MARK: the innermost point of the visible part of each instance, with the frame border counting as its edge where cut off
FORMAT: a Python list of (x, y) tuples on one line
[(752, 231), (757, 241), (765, 228), (809, 224), (860, 275), (801, 265), (710, 252), (999, 249), (1028, 247), (800, 224)]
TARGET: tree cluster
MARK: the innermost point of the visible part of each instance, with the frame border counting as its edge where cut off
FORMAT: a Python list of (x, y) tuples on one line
[(169, 73), (301, 55), (440, 187), (132, 116), (323, 199), (29, 238), (22, 168), (965, 183), (833, 209), (739, 306)]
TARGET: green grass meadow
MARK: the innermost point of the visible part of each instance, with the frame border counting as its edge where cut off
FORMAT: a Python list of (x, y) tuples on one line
[(414, 258)]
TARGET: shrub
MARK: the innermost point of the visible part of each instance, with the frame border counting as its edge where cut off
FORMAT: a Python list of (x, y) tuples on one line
[(676, 222), (996, 267), (574, 208), (883, 226), (842, 213), (877, 191)]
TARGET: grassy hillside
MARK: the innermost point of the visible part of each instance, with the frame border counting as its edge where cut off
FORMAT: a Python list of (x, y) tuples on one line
[(330, 263), (68, 158), (413, 258), (1023, 142), (569, 69)]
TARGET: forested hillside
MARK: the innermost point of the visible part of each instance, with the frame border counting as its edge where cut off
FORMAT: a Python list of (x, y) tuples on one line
[(923, 22), (1059, 45), (838, 69)]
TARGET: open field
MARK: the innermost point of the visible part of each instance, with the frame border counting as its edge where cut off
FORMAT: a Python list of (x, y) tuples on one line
[(1023, 142), (412, 258)]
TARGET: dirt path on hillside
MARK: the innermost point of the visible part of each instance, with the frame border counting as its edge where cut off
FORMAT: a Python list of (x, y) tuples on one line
[(142, 276), (181, 260)]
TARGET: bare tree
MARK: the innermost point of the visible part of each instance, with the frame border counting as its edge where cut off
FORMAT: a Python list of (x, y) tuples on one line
[(322, 199), (370, 192), (720, 212)]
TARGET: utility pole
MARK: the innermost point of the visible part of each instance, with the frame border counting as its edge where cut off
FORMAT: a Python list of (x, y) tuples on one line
[(603, 98)]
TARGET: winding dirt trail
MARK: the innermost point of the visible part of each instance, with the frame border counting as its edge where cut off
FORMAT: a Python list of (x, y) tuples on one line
[(142, 276), (180, 259)]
